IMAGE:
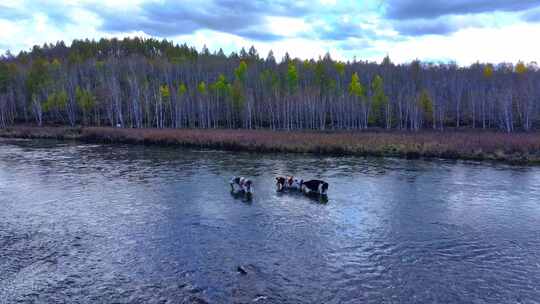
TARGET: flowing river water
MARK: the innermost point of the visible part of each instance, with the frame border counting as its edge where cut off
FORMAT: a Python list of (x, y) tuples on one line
[(82, 223)]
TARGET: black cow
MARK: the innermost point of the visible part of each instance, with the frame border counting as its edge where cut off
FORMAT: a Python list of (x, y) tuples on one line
[(309, 187), (315, 186)]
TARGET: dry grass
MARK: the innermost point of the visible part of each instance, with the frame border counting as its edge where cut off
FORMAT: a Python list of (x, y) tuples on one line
[(521, 147)]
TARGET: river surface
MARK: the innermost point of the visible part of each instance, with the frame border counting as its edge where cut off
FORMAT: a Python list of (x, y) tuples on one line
[(83, 223)]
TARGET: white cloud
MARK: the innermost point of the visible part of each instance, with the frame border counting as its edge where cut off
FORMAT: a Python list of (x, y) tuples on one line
[(287, 26), (296, 47), (489, 36), (506, 44), (328, 2)]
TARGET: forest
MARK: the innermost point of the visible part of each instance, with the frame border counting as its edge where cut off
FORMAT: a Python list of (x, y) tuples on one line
[(150, 83)]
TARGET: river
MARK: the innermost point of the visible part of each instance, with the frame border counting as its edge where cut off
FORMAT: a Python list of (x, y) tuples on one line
[(82, 223)]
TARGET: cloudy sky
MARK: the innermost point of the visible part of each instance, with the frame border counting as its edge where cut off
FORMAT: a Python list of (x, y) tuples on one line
[(464, 31)]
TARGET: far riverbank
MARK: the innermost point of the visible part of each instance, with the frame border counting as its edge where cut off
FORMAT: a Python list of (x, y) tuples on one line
[(469, 145)]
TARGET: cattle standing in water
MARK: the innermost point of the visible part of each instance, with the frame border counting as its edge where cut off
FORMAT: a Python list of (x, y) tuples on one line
[(288, 183), (315, 187), (280, 183), (241, 185), (308, 188)]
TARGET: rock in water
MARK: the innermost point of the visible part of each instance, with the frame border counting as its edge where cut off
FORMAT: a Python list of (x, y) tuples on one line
[(241, 270)]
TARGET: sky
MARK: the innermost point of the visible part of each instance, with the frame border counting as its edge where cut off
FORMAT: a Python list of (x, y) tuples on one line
[(461, 31)]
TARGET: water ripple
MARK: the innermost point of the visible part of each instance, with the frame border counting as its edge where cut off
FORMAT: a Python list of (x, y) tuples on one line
[(131, 224)]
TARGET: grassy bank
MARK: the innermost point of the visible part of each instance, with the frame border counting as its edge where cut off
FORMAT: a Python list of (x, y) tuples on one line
[(516, 148)]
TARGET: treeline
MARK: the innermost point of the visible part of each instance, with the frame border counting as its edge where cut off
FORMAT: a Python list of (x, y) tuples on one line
[(144, 83)]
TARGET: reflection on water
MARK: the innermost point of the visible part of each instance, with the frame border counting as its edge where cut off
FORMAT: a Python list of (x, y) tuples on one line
[(91, 223)]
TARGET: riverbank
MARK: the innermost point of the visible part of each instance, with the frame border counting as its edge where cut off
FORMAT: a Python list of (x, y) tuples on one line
[(470, 145)]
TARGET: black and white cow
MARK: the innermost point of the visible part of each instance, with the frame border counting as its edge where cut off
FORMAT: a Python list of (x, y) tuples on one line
[(315, 186), (307, 187), (288, 183), (241, 185), (280, 183)]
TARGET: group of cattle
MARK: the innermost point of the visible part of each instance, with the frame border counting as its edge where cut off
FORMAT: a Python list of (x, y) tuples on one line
[(241, 185)]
